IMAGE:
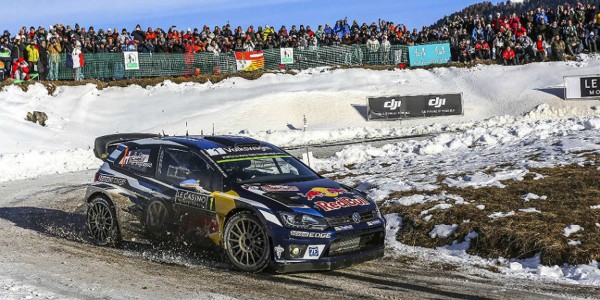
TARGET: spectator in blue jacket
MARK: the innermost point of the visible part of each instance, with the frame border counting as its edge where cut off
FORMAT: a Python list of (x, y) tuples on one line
[(478, 33), (540, 15), (338, 28), (328, 30), (345, 28)]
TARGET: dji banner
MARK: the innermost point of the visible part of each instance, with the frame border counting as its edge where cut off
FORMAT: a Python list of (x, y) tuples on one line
[(578, 87), (414, 106)]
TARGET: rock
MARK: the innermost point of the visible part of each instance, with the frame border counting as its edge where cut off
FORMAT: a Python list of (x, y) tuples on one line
[(39, 117)]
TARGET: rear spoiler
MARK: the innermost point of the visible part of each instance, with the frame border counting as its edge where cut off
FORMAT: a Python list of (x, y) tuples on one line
[(105, 144)]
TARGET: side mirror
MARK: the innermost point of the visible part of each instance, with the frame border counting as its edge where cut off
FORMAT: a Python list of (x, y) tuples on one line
[(364, 187), (190, 184)]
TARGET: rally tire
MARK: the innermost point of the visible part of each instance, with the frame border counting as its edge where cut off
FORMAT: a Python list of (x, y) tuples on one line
[(246, 242), (102, 223)]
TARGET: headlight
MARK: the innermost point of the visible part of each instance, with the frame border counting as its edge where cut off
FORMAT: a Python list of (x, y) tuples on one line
[(302, 221)]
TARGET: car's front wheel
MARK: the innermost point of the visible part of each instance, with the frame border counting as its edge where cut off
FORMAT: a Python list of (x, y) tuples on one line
[(101, 222), (246, 242)]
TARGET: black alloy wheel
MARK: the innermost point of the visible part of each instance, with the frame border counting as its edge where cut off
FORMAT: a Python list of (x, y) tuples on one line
[(101, 222)]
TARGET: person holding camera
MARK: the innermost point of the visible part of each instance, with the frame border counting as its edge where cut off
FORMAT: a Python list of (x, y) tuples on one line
[(54, 50)]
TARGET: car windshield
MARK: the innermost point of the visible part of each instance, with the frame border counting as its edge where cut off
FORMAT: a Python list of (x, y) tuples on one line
[(271, 169)]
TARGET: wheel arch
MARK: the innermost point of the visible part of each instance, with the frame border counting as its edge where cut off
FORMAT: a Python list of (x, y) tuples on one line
[(254, 211), (100, 194)]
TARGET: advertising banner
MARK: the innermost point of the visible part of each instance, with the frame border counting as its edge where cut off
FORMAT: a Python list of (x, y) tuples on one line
[(287, 56), (423, 55), (132, 61), (399, 107), (249, 61), (580, 87)]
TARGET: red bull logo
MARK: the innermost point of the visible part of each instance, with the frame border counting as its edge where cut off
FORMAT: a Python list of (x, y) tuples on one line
[(323, 192), (342, 202)]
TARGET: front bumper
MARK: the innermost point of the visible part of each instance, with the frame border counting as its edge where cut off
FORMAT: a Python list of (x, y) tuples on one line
[(328, 250), (329, 264)]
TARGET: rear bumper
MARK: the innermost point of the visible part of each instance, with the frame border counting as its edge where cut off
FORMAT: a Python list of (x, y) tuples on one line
[(327, 264)]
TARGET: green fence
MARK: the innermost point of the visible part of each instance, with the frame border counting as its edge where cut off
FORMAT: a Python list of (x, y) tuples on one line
[(111, 65)]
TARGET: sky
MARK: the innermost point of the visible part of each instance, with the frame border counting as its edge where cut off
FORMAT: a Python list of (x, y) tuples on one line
[(190, 14)]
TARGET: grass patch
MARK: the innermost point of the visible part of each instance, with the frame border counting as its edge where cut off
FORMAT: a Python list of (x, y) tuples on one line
[(143, 82), (570, 191)]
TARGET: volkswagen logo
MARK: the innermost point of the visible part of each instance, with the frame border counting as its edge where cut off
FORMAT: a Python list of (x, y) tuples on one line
[(356, 217)]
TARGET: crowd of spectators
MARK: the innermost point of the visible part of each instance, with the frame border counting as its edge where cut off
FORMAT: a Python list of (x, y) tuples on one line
[(537, 34), (512, 39)]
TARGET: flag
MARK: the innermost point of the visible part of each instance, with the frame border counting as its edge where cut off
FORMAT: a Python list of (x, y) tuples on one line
[(79, 61), (75, 60), (249, 61)]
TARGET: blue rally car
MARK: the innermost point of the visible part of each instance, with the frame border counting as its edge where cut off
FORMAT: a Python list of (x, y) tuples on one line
[(258, 203)]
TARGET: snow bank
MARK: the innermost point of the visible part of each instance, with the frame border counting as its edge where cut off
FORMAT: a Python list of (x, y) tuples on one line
[(442, 231)]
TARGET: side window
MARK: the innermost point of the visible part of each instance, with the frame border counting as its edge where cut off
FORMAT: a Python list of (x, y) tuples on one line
[(177, 165), (139, 160)]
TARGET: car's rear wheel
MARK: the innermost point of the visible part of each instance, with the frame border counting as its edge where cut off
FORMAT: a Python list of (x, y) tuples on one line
[(246, 242), (102, 222)]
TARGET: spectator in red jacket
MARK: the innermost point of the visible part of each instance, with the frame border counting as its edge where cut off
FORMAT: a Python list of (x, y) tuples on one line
[(514, 21), (520, 31), (509, 56), (482, 49), (540, 47), (20, 69)]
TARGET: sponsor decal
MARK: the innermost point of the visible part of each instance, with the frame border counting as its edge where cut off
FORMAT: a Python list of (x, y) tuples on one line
[(200, 224), (193, 199), (417, 106), (306, 234), (287, 56), (342, 228), (590, 86), (323, 192), (313, 251), (437, 102), (278, 251), (374, 222), (342, 202), (356, 217), (137, 158), (234, 150), (279, 188), (392, 104), (423, 55), (113, 180), (253, 188)]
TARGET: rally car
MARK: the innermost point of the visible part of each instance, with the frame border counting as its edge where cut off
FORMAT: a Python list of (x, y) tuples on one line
[(258, 203)]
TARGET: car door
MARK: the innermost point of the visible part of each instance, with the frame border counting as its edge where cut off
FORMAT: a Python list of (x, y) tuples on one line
[(193, 206), (137, 164)]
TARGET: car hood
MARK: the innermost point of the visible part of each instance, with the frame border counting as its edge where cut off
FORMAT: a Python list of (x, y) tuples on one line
[(323, 195)]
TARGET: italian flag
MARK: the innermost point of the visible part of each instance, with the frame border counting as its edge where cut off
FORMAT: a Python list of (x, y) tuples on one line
[(249, 61)]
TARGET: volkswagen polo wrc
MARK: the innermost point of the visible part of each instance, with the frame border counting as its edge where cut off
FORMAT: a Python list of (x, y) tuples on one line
[(258, 203)]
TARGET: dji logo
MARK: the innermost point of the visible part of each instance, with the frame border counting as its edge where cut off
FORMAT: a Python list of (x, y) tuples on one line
[(392, 104), (437, 102)]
